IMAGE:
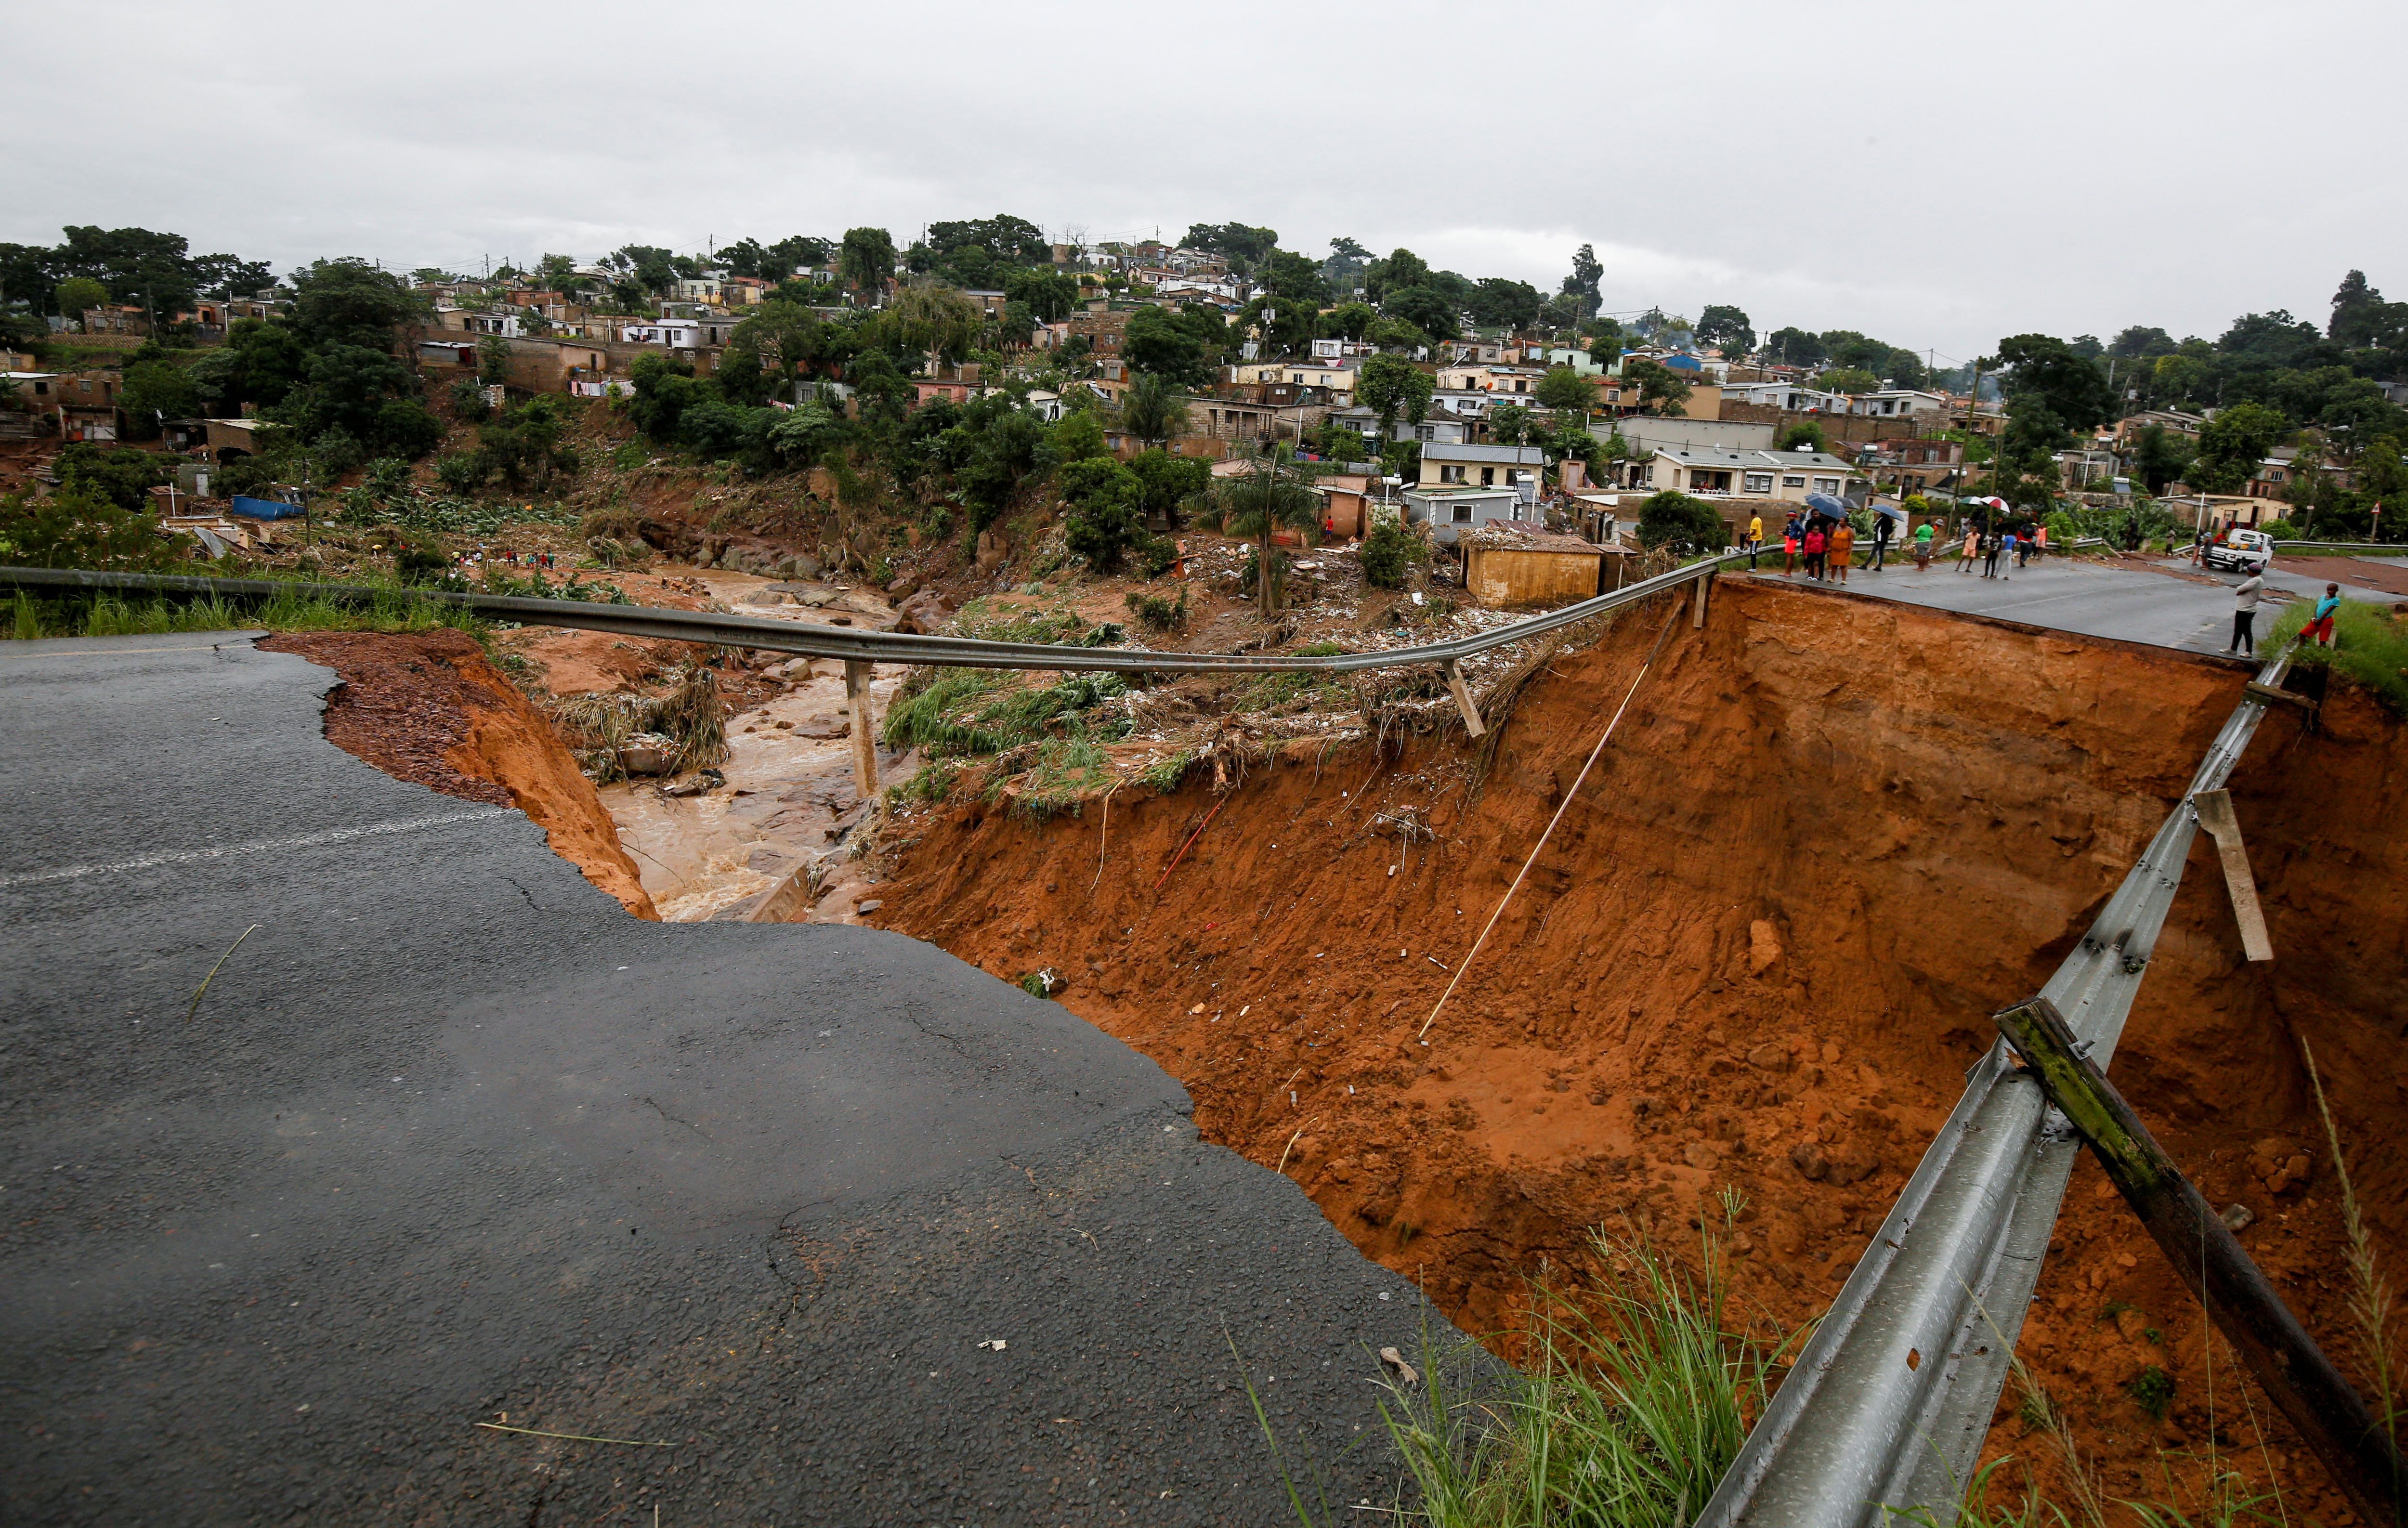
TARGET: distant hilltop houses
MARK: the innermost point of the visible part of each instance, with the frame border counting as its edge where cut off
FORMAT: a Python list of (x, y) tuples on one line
[(1353, 356)]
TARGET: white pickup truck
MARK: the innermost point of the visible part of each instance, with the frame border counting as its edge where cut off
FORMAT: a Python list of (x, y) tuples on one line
[(2246, 551)]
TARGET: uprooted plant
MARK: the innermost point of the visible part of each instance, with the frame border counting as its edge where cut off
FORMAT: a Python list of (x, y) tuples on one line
[(692, 716)]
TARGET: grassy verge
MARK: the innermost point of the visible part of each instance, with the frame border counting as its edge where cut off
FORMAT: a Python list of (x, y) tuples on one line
[(107, 615), (2370, 645)]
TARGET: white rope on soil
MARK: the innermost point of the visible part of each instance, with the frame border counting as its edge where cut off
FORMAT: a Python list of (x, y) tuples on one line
[(1465, 965)]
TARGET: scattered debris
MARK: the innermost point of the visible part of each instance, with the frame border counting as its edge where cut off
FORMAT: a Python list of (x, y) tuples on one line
[(1394, 1362)]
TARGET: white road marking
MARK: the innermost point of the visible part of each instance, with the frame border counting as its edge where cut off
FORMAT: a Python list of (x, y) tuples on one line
[(257, 846)]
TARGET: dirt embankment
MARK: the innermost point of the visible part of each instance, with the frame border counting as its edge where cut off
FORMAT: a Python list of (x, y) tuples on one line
[(428, 708), (1832, 838)]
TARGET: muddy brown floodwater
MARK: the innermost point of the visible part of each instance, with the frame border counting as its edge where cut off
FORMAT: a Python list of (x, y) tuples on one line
[(1832, 838)]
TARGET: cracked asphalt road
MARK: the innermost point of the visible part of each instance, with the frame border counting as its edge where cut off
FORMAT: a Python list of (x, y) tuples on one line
[(453, 1140)]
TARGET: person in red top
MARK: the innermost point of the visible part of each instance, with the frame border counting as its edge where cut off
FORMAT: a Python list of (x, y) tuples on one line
[(1815, 545)]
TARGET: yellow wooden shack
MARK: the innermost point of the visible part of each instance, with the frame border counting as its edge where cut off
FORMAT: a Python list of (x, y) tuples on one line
[(1506, 564)]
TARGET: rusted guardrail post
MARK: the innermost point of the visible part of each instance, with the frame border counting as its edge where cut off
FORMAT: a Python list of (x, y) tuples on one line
[(864, 729), (2279, 1353)]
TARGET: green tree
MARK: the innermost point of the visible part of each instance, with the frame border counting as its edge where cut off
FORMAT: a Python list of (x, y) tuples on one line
[(935, 319), (408, 429), (1169, 483), (1401, 269), (81, 527), (1587, 273), (350, 302), (1107, 515), (1726, 329), (1051, 296), (1661, 390), (1673, 519), (783, 339), (156, 389), (347, 385), (1157, 344), (866, 260), (1153, 409), (2140, 342), (1077, 437), (1425, 309), (77, 293), (1293, 277), (2075, 388), (1847, 380), (1349, 321), (1793, 347), (2231, 445), (2159, 456), (1393, 388), (1497, 302), (1804, 436), (805, 436), (493, 360), (1390, 552), (123, 478), (1564, 387)]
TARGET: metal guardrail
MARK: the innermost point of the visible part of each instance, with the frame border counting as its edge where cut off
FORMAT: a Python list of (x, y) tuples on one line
[(865, 647), (1892, 1398), (2389, 549)]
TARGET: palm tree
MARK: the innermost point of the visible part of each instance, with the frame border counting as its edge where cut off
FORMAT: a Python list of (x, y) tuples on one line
[(1153, 409), (1257, 503)]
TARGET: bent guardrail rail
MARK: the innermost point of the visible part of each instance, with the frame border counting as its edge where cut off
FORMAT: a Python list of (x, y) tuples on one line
[(865, 647), (1889, 1402)]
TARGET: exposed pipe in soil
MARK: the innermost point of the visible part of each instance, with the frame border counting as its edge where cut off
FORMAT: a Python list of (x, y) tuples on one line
[(1465, 965)]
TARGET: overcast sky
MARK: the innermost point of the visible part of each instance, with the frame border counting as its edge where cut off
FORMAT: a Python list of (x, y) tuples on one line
[(1934, 175)]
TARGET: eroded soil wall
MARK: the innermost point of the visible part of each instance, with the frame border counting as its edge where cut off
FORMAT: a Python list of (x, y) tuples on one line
[(1832, 838), (425, 706)]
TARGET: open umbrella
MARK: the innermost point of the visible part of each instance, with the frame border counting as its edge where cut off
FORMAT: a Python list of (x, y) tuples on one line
[(1823, 504)]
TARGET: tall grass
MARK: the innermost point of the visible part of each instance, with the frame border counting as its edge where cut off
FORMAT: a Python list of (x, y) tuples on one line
[(106, 615), (1634, 1394), (2370, 1292)]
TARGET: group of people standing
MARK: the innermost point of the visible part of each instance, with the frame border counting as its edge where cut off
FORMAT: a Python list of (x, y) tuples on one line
[(1828, 544), (2001, 549)]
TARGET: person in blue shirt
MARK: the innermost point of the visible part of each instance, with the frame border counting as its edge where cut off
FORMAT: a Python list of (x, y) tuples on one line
[(2320, 625)]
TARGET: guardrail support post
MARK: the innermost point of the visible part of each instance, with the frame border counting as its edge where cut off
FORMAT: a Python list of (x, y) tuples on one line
[(1463, 698), (864, 729), (2215, 815), (2301, 1382), (1697, 611)]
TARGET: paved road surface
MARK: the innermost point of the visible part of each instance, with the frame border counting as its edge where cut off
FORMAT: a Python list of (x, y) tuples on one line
[(453, 1139), (2164, 604)]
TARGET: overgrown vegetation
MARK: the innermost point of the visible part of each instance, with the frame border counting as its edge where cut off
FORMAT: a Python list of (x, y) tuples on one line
[(1156, 614), (293, 610), (692, 716), (77, 527), (1390, 554)]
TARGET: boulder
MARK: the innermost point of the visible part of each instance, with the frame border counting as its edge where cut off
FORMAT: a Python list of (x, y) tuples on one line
[(924, 612), (647, 753)]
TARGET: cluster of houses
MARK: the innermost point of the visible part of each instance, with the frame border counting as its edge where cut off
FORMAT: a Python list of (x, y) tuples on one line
[(1720, 444)]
